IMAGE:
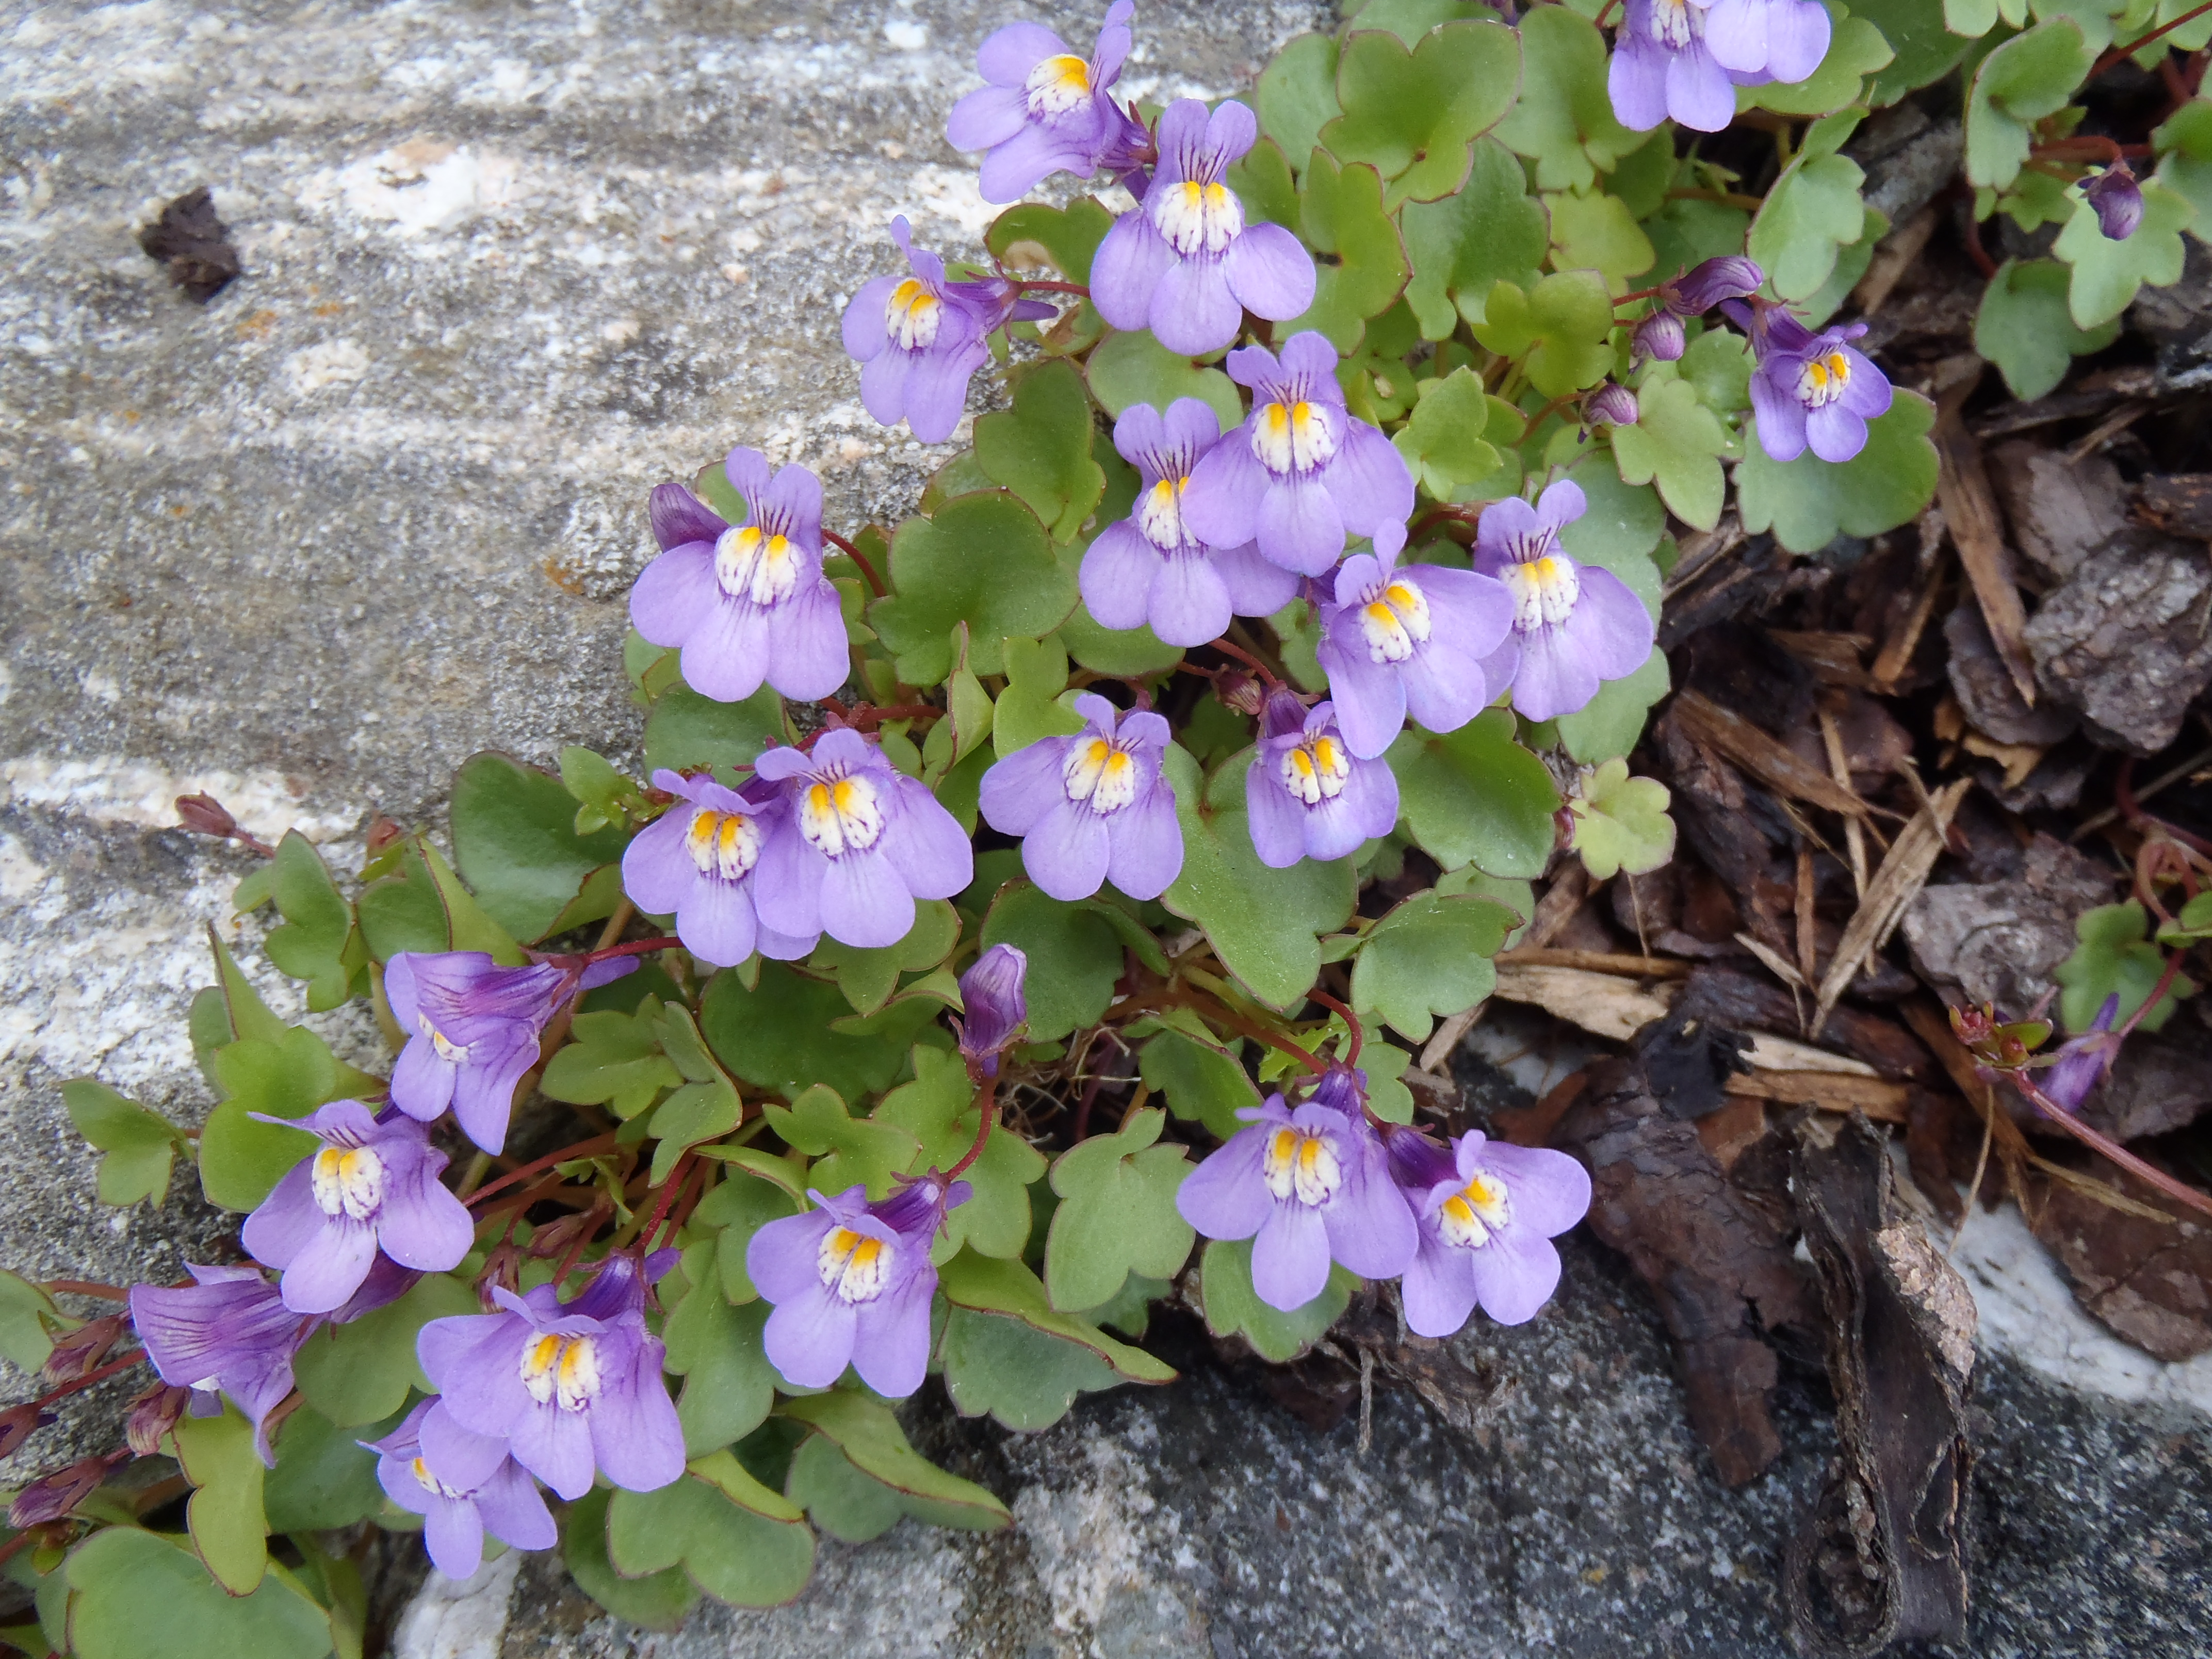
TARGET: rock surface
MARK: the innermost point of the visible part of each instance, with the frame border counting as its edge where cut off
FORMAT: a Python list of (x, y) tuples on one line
[(375, 507)]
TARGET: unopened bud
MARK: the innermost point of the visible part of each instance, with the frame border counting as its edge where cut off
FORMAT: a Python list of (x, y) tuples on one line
[(502, 1270), (382, 835), (153, 1415), (1659, 336), (55, 1496), (995, 1007), (18, 1424), (205, 815), (2116, 199), (1732, 276), (1611, 404), (78, 1351), (555, 1237), (1240, 689)]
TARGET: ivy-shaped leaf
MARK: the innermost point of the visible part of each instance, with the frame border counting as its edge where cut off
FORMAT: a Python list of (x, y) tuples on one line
[(1074, 955), (938, 1110), (1441, 442), (1676, 443), (29, 1321), (603, 796), (1598, 233), (2113, 954), (224, 1516), (2025, 329), (515, 841), (1610, 724), (1127, 369), (1620, 823), (1490, 229), (983, 559), (140, 1144), (319, 942), (1563, 328), (2184, 145), (728, 1383), (1429, 956), (784, 1034), (2030, 76), (706, 1107), (756, 1190), (1117, 1214), (687, 730), (1297, 94), (2106, 273), (1233, 1308), (1200, 1078), (1813, 209), (1008, 1353), (735, 1539), (360, 1372), (864, 1429), (1413, 114), (128, 1581), (852, 1150), (241, 1158), (1564, 119), (612, 1059), (1041, 448), (1474, 796), (868, 977), (1035, 703), (658, 1601), (1364, 268), (1808, 502), (423, 907)]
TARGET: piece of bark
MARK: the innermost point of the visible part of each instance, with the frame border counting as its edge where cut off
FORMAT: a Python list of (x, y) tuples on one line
[(1929, 1127), (1773, 763), (1985, 691), (2180, 504), (1970, 509), (1903, 872), (191, 241), (2001, 942), (1721, 1272), (2128, 639), (1882, 1556), (2060, 511), (1830, 1091), (2149, 1284), (2161, 1082), (1734, 828), (1744, 1003)]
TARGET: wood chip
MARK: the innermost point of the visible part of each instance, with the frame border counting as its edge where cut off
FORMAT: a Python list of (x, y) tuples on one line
[(1600, 962), (1607, 1006), (1553, 912), (1839, 768), (1970, 508), (1904, 872), (1766, 759), (1893, 257), (1699, 549), (1834, 658), (1831, 1092), (1896, 653)]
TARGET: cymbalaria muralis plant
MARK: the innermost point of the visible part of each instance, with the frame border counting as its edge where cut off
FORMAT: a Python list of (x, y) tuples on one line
[(1201, 734)]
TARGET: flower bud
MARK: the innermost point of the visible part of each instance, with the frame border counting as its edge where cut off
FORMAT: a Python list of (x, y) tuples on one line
[(55, 1496), (1729, 278), (1240, 689), (991, 992), (78, 1351), (153, 1415), (207, 816), (2117, 200), (502, 1270), (381, 834), (1611, 404), (1659, 336), (1283, 713), (17, 1425)]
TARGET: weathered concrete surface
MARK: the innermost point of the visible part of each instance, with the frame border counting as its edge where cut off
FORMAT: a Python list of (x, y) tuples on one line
[(375, 508)]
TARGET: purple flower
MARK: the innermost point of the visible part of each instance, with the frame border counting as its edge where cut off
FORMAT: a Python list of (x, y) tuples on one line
[(374, 1184), (463, 1485), (2117, 200), (229, 1331), (1305, 473), (852, 1282), (1306, 1185), (1810, 389), (1046, 110), (860, 844), (918, 339), (1488, 1212), (1662, 66), (995, 1007), (698, 861), (746, 602), (1307, 795), (1659, 336), (2083, 1060), (1093, 807), (1611, 404), (1778, 39), (1186, 264), (473, 1029), (1727, 276), (1575, 625), (1413, 639), (570, 1386), (1152, 566)]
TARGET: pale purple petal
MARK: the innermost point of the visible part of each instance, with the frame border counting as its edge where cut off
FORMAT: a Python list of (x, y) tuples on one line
[(1555, 676), (808, 1337), (1118, 568), (677, 517), (930, 851), (1834, 433), (1289, 1257), (1127, 269), (1370, 698), (1278, 822), (1637, 82), (1700, 94), (1005, 58), (286, 1220), (635, 1437), (716, 921), (890, 1347), (1226, 1196), (1515, 1274), (1191, 310), (1865, 390), (1369, 481), (779, 1257), (1255, 586), (1020, 788), (1781, 419), (453, 1535), (1189, 600), (1437, 1291), (1066, 851), (726, 655), (511, 1509), (1270, 272), (329, 1266), (1145, 842), (1221, 505), (1609, 624), (658, 873), (865, 332), (423, 1226), (1300, 526), (864, 902), (937, 391), (986, 117), (807, 660), (556, 1446)]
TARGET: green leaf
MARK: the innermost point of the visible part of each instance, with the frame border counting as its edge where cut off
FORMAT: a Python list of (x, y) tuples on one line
[(29, 1319), (1718, 363), (140, 1143), (227, 1527), (1598, 233), (2113, 954), (1297, 94), (2193, 926), (853, 1150), (696, 1113), (753, 1192), (1621, 524), (1442, 443), (130, 1584), (1476, 797), (1363, 270), (779, 1035), (686, 730), (983, 559), (1564, 328), (603, 795), (1118, 653), (1428, 955), (1128, 370), (1611, 722), (1263, 184), (1074, 952), (1926, 50), (1676, 443), (1621, 822), (864, 1429), (1262, 923), (735, 1539), (613, 1060), (319, 942), (729, 1384), (1563, 121), (1808, 502), (1117, 1214), (836, 1495), (938, 1109), (1490, 229), (1008, 1353), (360, 1372), (1030, 235), (1233, 1308), (425, 907), (1686, 232), (658, 1601), (2106, 273), (2030, 76), (1856, 48), (1409, 20), (1413, 114), (515, 840), (324, 1477), (1200, 1078), (1813, 209), (2185, 151), (868, 977), (2026, 330), (1041, 448), (241, 1160), (1033, 705)]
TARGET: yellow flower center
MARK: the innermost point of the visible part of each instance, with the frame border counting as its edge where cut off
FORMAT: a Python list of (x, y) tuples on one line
[(347, 1181), (453, 1053), (1823, 380), (1301, 1166), (840, 816), (752, 564), (564, 1369), (1393, 620), (1196, 218), (854, 1267), (1675, 23), (1100, 771), (1316, 770), (430, 1483), (725, 844), (1058, 86), (1472, 1215), (1296, 437), (1544, 590), (1159, 516)]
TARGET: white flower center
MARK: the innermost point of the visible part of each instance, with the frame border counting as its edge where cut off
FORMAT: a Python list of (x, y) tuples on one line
[(841, 815), (1675, 23), (1102, 772), (725, 844), (453, 1053), (854, 1266), (1299, 437), (752, 564), (564, 1370), (431, 1484), (1316, 770), (1823, 379), (912, 316), (1393, 620), (1058, 86), (1544, 591), (1301, 1166), (1159, 516), (1472, 1215), (1196, 218), (347, 1181)]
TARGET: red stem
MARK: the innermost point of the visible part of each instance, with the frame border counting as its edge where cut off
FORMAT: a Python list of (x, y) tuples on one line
[(990, 1105), (581, 1149), (1351, 1020), (1606, 12), (1249, 660), (2179, 1191), (636, 947), (90, 1377), (1026, 285), (2164, 983), (1975, 251), (2141, 40), (1640, 293), (87, 1287), (859, 558), (1531, 422), (669, 1188)]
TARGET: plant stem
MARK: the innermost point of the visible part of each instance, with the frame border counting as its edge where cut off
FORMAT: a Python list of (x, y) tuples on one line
[(989, 1104), (859, 558), (2141, 40), (581, 1149), (1040, 286), (135, 1356), (2181, 1192), (1351, 1021), (89, 1287), (636, 947)]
